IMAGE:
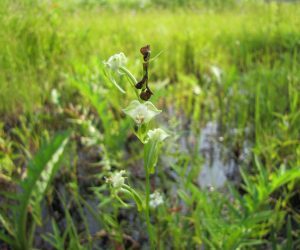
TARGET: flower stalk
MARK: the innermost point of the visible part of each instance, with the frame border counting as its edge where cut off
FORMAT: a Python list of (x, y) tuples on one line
[(147, 208), (142, 112)]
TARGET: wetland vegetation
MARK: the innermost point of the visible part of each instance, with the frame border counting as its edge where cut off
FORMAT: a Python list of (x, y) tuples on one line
[(149, 124)]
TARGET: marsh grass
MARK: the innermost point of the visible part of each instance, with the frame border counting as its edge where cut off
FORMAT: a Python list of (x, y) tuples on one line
[(38, 48), (254, 47)]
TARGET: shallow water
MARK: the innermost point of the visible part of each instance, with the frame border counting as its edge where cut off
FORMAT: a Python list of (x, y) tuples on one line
[(219, 163)]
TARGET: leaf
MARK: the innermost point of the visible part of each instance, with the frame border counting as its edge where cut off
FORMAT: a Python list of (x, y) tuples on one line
[(6, 224), (284, 178), (6, 239), (185, 197), (250, 242), (134, 195), (156, 56), (41, 170), (259, 217), (151, 151), (289, 242)]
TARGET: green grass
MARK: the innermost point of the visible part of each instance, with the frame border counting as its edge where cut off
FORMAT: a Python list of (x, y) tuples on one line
[(38, 48), (61, 45)]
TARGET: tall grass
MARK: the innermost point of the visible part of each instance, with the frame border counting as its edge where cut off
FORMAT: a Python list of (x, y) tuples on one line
[(39, 42)]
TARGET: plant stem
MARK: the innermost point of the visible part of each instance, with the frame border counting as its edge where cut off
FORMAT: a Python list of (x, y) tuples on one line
[(147, 209), (132, 80)]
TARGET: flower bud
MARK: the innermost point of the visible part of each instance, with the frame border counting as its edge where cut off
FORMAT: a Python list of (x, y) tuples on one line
[(146, 52), (140, 84), (145, 95)]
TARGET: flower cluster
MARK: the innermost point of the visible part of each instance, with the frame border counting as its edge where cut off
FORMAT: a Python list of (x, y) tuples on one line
[(156, 199), (117, 179)]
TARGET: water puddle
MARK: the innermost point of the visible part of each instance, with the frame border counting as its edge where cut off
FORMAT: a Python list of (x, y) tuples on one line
[(220, 163)]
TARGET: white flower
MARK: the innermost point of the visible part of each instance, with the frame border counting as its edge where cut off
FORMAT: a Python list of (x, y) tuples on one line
[(116, 61), (141, 112), (156, 199), (157, 134), (55, 96), (117, 180)]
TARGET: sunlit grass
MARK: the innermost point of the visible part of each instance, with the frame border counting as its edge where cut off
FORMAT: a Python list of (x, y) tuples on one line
[(235, 66), (39, 47)]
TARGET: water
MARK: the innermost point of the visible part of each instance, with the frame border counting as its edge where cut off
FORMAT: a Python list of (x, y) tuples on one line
[(220, 164)]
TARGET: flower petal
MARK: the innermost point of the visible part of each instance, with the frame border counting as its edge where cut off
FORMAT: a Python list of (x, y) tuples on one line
[(141, 112)]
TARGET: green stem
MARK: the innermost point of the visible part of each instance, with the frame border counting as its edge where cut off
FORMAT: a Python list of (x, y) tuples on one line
[(147, 208), (132, 80)]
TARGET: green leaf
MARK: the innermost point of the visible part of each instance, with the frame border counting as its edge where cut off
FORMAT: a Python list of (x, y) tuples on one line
[(289, 242), (156, 56), (284, 178), (134, 195), (250, 242), (185, 197), (151, 151), (4, 221), (6, 239), (41, 170)]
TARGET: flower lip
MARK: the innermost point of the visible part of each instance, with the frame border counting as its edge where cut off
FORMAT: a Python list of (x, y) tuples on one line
[(141, 112)]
